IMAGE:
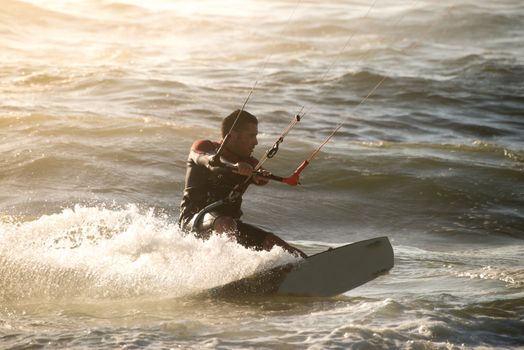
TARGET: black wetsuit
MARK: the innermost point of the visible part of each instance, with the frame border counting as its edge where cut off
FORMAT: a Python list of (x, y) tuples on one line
[(204, 186)]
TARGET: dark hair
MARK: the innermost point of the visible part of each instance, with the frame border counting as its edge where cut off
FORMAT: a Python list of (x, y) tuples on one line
[(244, 119)]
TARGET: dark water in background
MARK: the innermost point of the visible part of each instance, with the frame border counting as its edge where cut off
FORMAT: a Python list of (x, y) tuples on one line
[(101, 101)]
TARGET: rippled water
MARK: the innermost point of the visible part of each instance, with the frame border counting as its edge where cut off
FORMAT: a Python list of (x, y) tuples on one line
[(101, 101)]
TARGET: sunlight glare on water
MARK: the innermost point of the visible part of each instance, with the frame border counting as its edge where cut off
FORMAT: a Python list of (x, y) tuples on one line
[(102, 100)]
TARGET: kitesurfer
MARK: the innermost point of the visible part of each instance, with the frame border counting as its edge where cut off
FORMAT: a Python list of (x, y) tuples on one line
[(210, 180)]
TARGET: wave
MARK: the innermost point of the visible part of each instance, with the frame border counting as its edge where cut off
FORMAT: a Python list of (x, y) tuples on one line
[(468, 20), (445, 73), (500, 264), (23, 11), (477, 146), (107, 253)]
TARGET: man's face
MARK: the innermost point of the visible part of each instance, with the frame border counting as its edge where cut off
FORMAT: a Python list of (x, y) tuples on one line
[(243, 142)]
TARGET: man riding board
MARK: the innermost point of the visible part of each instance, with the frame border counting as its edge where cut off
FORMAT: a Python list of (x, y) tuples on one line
[(211, 182)]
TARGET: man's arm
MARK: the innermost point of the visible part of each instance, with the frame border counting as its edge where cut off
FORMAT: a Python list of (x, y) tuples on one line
[(203, 153)]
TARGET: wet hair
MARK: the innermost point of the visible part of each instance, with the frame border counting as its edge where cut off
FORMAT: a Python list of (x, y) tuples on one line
[(244, 119)]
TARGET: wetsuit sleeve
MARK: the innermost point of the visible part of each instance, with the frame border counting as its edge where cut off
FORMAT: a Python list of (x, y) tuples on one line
[(201, 152)]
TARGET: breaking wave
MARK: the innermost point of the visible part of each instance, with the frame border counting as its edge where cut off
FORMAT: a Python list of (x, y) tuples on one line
[(99, 252)]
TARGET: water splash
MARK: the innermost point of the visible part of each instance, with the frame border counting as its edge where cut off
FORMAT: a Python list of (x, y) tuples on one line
[(99, 252)]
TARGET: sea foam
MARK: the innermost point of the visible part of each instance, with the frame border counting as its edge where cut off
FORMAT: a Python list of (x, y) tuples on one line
[(99, 252)]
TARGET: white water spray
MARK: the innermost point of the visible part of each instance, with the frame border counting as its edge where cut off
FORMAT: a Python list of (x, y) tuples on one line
[(96, 252)]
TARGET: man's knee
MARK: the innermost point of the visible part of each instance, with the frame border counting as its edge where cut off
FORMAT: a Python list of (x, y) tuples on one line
[(225, 224), (212, 221)]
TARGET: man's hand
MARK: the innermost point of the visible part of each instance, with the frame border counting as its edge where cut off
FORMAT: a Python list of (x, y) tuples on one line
[(243, 168), (247, 170), (260, 180)]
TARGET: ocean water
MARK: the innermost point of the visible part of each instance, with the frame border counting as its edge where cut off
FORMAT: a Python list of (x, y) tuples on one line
[(101, 100)]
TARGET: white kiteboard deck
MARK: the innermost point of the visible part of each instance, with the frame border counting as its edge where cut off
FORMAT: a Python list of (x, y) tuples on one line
[(325, 274)]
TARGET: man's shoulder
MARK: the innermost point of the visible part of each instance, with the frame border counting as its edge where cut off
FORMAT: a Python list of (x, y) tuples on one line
[(204, 146)]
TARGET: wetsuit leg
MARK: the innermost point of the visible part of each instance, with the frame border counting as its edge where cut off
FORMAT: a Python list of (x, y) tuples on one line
[(254, 237)]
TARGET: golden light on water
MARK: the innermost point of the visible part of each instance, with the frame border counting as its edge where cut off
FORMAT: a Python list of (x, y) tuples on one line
[(236, 8)]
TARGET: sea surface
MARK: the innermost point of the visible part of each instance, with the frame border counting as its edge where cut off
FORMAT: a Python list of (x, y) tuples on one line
[(100, 101)]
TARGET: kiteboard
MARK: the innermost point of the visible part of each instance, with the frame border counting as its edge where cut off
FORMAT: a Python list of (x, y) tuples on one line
[(325, 274)]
